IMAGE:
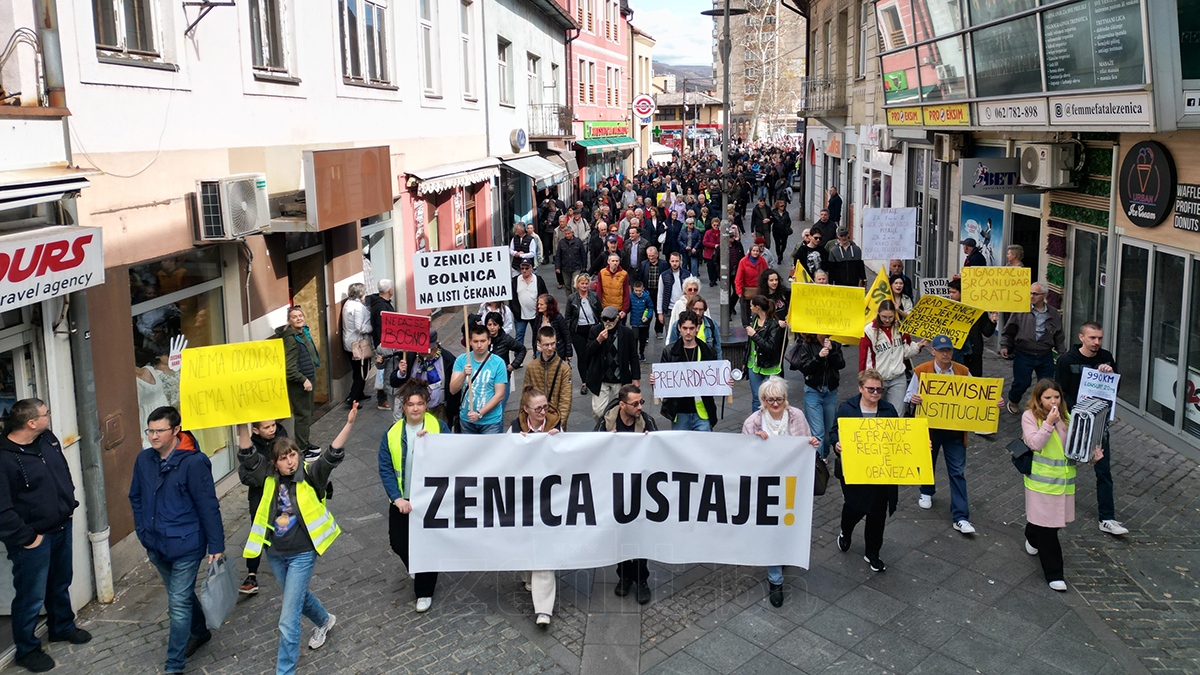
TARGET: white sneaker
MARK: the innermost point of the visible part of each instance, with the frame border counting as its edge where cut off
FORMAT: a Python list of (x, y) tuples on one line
[(1060, 586), (965, 527), (320, 632), (543, 620), (925, 501), (1029, 548), (1113, 527), (423, 604)]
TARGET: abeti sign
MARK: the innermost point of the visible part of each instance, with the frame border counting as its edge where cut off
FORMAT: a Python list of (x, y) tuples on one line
[(45, 263)]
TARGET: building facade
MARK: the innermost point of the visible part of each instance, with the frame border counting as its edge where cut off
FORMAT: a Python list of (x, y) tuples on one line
[(641, 82)]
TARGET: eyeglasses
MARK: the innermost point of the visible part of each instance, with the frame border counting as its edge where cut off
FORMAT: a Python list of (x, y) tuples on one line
[(636, 404), (1036, 293), (873, 390), (159, 432), (539, 408), (771, 400), (46, 415)]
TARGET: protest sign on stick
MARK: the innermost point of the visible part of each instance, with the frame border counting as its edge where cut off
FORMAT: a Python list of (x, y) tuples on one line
[(406, 332), (885, 451), (826, 310), (933, 316), (939, 286), (889, 233), (464, 277), (960, 403), (692, 378), (233, 384), (996, 289)]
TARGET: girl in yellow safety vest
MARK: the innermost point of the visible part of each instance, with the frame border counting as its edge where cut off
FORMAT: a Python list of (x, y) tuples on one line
[(293, 524), (1050, 485)]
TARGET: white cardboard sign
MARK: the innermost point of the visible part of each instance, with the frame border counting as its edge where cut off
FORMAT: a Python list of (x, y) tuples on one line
[(692, 378), (939, 286), (1095, 384), (889, 233), (464, 277)]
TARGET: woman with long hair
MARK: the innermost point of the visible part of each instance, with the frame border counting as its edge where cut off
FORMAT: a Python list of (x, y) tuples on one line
[(712, 242), (745, 280), (903, 303), (766, 340), (821, 363), (548, 315), (772, 286), (1050, 485), (884, 348), (502, 308)]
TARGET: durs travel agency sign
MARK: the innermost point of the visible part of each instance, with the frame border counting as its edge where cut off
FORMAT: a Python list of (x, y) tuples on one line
[(45, 263), (1146, 184), (992, 176)]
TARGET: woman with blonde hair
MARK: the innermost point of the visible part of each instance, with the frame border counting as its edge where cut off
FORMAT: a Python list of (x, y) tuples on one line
[(536, 417)]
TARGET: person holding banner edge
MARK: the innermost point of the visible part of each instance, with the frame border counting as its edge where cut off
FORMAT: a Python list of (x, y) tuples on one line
[(536, 417)]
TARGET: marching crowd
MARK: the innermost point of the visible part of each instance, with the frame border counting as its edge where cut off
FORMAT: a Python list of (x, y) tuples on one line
[(627, 255)]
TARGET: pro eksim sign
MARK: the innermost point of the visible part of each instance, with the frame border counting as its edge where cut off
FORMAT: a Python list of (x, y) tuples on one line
[(45, 263)]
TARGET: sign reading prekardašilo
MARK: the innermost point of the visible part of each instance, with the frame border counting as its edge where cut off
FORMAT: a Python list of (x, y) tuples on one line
[(235, 383), (692, 378)]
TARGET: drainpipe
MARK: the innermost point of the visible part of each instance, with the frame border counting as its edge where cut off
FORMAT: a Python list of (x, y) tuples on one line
[(51, 53)]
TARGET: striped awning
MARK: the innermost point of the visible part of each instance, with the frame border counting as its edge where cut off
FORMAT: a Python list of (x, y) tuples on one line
[(449, 176)]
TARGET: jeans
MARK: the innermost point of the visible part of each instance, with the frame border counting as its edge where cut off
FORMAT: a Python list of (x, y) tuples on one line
[(292, 572), (1104, 483), (1023, 364), (476, 428), (951, 445), (756, 380), (690, 422), (520, 326), (893, 391), (820, 407), (690, 266), (775, 575), (42, 576), (187, 618)]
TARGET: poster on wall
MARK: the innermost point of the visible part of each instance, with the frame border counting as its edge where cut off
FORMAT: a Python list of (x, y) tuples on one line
[(985, 225), (460, 218), (419, 219)]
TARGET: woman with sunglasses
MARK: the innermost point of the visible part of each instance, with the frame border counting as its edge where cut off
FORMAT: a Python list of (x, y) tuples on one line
[(874, 502), (535, 417), (884, 348)]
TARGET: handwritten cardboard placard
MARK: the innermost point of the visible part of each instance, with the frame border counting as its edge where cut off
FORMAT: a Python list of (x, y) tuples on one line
[(959, 402), (826, 310), (692, 378), (996, 289), (933, 316), (885, 451), (1095, 384), (233, 384), (939, 286), (889, 233), (407, 332)]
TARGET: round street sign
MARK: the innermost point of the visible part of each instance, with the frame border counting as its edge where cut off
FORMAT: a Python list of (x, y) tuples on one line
[(643, 105)]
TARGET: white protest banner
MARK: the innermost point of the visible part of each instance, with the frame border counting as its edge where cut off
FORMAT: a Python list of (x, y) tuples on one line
[(1095, 384), (581, 500), (466, 277), (939, 286), (692, 378), (889, 233)]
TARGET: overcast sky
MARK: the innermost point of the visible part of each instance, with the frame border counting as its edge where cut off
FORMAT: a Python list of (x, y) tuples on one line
[(681, 34)]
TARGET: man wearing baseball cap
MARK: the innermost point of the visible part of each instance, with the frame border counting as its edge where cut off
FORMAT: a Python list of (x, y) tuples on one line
[(952, 444)]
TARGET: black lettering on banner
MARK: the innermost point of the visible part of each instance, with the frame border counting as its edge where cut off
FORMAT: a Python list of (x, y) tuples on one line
[(743, 515), (547, 488), (494, 501), (654, 492), (462, 502), (581, 501), (685, 481), (527, 501), (440, 485), (712, 499), (635, 498), (766, 499)]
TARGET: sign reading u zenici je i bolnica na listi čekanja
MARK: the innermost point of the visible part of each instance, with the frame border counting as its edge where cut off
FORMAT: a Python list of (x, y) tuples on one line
[(466, 277)]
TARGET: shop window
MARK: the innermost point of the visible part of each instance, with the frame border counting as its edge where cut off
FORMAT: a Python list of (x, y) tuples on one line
[(1191, 405), (1131, 322), (1166, 314), (1089, 264)]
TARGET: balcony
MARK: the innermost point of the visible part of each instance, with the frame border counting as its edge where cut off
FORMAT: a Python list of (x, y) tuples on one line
[(550, 120), (823, 96)]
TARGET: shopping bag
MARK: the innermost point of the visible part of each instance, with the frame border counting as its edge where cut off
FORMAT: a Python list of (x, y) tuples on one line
[(218, 593)]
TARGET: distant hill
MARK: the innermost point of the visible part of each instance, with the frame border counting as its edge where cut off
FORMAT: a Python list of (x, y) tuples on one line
[(703, 75)]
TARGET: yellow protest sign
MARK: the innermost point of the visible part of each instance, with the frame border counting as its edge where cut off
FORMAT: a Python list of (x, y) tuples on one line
[(826, 310), (800, 274), (233, 384), (996, 289), (959, 402), (885, 451), (933, 316), (879, 290)]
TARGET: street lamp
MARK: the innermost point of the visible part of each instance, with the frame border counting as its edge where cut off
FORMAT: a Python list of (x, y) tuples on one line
[(726, 47)]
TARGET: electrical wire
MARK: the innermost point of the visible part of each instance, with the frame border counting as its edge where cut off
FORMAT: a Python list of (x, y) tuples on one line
[(157, 153)]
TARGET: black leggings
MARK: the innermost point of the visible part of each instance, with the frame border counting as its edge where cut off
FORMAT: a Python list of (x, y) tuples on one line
[(358, 371), (423, 582), (873, 534), (1045, 540)]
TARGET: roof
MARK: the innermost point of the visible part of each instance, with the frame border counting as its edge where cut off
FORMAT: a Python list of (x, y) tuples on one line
[(693, 98)]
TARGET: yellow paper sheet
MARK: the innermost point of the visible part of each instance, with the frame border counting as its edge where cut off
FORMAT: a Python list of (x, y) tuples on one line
[(885, 451), (233, 384), (996, 289), (959, 402)]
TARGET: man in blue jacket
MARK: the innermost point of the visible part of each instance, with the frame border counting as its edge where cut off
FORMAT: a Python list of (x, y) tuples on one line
[(178, 520), (37, 498)]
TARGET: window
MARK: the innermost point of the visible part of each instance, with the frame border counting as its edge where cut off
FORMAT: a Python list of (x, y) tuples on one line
[(466, 30), (892, 27), (534, 75), (504, 64), (864, 20), (582, 80), (768, 19), (554, 82), (608, 83), (364, 41), (617, 87), (427, 31), (126, 27), (608, 23), (751, 88), (266, 36), (751, 73), (590, 15), (591, 93), (830, 66)]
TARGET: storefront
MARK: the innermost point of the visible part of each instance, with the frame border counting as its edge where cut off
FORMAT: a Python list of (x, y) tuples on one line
[(525, 180), (604, 150)]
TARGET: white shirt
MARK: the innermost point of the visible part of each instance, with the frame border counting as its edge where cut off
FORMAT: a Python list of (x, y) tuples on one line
[(527, 292)]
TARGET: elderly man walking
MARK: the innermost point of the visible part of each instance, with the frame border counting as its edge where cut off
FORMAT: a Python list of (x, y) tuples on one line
[(1032, 338)]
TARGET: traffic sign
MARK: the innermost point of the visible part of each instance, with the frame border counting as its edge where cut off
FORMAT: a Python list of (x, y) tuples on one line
[(643, 105)]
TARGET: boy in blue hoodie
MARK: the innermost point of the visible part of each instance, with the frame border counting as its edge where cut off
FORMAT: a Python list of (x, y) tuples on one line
[(641, 311)]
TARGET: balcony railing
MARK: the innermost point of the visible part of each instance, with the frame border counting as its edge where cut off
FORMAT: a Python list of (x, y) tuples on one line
[(550, 120), (823, 95)]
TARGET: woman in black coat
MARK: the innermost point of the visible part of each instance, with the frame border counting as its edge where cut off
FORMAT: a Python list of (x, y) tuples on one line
[(821, 362), (875, 502), (505, 346), (781, 226), (548, 315)]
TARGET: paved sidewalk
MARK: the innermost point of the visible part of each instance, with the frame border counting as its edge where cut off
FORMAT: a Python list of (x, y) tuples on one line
[(947, 604)]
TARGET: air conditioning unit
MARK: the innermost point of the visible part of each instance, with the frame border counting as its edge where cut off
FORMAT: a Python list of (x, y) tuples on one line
[(1047, 165), (947, 148), (945, 71), (232, 207), (888, 141)]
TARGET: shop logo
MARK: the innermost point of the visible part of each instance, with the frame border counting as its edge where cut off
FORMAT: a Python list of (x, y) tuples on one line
[(1147, 184)]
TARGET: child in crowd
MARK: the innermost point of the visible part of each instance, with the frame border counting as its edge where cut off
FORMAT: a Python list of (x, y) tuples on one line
[(641, 310)]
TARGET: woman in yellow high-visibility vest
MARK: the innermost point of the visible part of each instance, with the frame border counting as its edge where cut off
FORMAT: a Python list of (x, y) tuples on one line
[(294, 526), (1050, 485)]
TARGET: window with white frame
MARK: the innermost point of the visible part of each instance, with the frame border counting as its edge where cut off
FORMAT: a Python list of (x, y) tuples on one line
[(582, 80), (590, 7), (504, 66), (364, 41), (126, 28), (466, 29), (617, 87), (608, 83), (751, 73), (864, 21), (268, 33), (591, 92), (431, 81), (768, 20), (533, 73), (615, 20)]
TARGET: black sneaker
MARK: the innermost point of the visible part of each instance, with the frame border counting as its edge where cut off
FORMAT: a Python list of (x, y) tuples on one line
[(195, 642), (36, 661), (876, 564), (843, 542), (250, 585), (78, 636), (622, 588), (643, 593), (776, 595)]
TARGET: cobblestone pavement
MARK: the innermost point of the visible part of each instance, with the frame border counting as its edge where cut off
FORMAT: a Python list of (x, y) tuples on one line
[(947, 604)]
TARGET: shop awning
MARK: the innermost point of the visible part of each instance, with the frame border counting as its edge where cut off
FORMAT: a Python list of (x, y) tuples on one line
[(622, 142), (25, 187), (543, 172), (449, 176), (596, 146), (566, 159)]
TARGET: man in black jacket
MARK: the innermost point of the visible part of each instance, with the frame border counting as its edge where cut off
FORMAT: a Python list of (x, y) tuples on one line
[(570, 257), (688, 413), (377, 304), (37, 498), (612, 359)]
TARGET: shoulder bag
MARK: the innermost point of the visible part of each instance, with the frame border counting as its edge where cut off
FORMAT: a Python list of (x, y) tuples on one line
[(1021, 455)]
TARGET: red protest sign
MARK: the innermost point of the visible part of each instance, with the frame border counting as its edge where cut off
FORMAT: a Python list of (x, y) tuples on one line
[(408, 332)]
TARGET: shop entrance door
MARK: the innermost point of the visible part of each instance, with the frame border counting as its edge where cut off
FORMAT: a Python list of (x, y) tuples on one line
[(306, 283)]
